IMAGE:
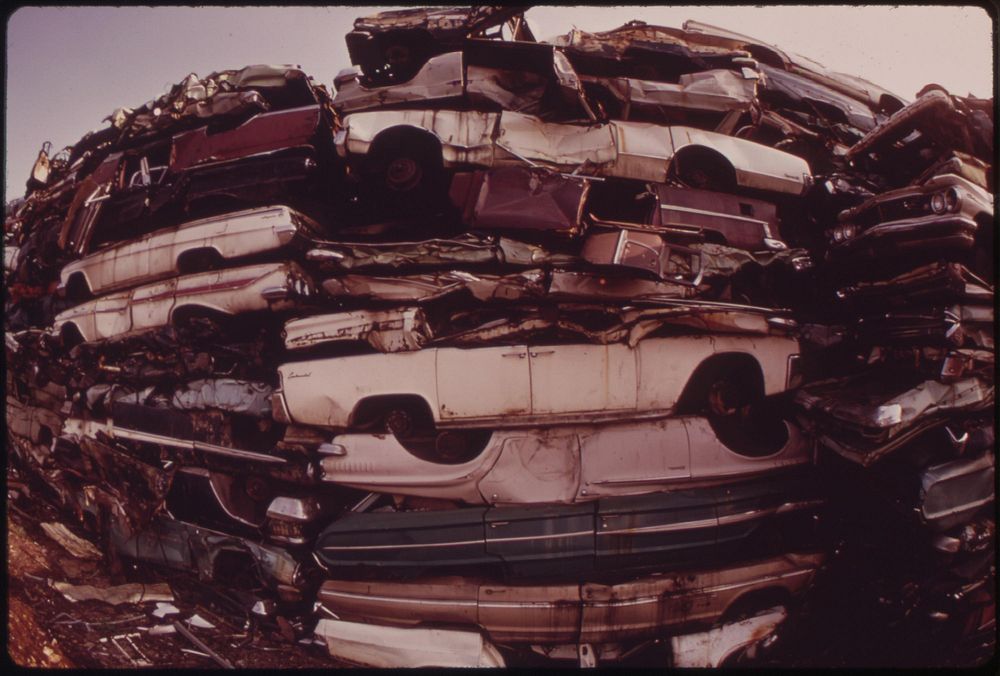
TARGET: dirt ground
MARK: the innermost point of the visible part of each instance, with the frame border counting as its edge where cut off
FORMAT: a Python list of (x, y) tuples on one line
[(47, 630)]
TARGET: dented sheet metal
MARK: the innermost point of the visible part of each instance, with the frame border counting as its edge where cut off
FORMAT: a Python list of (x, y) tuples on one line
[(863, 422), (183, 546), (560, 613), (385, 647), (565, 464), (632, 150), (711, 648), (428, 287), (952, 492), (644, 251), (466, 249), (717, 90), (678, 529), (227, 394), (229, 292), (515, 198), (386, 331), (127, 593)]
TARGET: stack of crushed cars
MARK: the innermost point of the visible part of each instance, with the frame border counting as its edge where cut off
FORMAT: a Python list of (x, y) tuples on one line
[(514, 348)]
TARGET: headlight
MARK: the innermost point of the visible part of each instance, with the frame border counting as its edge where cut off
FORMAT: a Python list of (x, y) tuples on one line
[(844, 232), (938, 203), (951, 199)]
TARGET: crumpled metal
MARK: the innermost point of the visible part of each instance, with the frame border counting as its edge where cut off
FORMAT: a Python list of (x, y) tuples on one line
[(227, 394)]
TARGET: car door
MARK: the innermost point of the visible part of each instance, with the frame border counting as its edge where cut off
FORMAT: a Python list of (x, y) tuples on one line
[(151, 304), (563, 145), (626, 459), (643, 151), (542, 539), (199, 235), (112, 317), (130, 263), (577, 378), (486, 382), (676, 528)]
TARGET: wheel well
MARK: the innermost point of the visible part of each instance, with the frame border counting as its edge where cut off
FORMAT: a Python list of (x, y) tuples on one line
[(371, 409), (714, 170), (186, 313), (238, 568), (77, 287), (739, 366), (752, 602), (70, 335), (403, 136), (715, 237), (198, 260)]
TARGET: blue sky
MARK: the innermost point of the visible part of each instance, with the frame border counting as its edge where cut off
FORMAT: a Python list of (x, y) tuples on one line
[(69, 67)]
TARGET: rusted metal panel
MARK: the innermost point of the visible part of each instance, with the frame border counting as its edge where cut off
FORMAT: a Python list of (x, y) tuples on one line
[(262, 133)]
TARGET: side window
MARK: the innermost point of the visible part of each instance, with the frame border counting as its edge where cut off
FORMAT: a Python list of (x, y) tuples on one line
[(622, 202)]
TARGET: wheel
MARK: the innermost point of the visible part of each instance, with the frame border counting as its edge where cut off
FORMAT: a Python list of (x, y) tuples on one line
[(402, 423), (403, 174)]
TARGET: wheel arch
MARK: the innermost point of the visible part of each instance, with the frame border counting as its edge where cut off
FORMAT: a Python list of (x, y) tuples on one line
[(702, 377)]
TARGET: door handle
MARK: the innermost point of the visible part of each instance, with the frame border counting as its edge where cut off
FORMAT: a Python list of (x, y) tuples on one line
[(519, 355), (542, 352)]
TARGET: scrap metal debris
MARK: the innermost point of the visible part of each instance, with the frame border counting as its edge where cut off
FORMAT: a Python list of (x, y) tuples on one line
[(71, 542), (117, 595), (625, 344)]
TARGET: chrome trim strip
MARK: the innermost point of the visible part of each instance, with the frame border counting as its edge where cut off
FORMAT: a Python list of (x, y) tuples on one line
[(692, 210), (148, 437), (663, 528), (461, 543)]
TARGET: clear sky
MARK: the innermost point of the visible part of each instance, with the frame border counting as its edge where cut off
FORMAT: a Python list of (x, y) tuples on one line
[(69, 67)]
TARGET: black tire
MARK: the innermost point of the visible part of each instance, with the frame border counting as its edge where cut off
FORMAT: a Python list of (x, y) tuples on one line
[(412, 166)]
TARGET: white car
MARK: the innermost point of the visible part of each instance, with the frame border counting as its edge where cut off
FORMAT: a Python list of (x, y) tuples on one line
[(405, 145), (191, 247), (565, 465), (222, 292), (522, 385)]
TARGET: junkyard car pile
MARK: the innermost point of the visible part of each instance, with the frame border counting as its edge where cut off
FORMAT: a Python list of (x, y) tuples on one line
[(570, 348)]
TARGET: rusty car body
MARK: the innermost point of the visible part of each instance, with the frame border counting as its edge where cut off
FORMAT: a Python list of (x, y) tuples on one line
[(863, 418), (944, 212), (617, 535), (579, 613), (562, 465), (267, 157), (517, 199), (405, 144), (529, 77), (190, 247), (225, 292), (520, 385), (391, 46)]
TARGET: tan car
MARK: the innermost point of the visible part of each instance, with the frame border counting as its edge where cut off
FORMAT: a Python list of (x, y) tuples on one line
[(224, 292), (405, 147), (562, 465), (521, 385), (191, 247)]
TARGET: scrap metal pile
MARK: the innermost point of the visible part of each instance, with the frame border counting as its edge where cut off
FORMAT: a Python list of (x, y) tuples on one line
[(572, 348)]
